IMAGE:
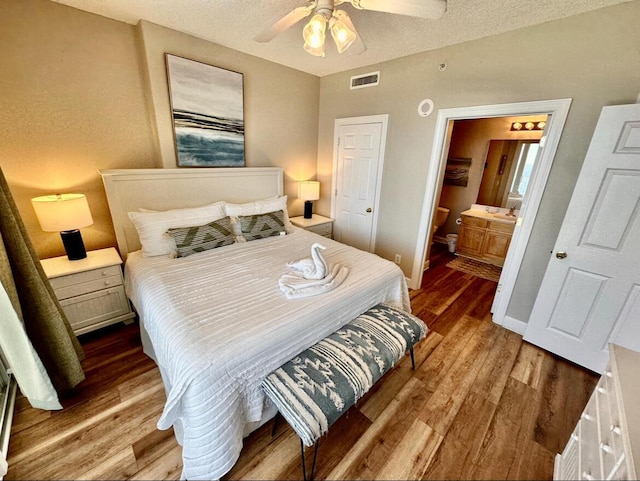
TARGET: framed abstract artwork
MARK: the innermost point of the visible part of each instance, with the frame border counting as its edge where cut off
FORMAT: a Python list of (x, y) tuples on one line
[(207, 107), (457, 172)]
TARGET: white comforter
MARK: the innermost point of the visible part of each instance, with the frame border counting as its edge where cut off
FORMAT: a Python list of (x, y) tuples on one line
[(219, 324)]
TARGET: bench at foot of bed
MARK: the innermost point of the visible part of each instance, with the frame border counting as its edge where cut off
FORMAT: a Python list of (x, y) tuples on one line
[(321, 383)]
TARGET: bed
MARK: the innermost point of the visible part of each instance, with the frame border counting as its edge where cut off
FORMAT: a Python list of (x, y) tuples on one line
[(216, 322)]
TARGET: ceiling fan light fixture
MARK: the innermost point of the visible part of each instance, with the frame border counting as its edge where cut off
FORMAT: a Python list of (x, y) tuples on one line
[(317, 51), (314, 32), (342, 35)]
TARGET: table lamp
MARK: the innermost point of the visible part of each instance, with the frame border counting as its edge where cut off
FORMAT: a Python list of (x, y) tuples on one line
[(67, 214), (308, 191)]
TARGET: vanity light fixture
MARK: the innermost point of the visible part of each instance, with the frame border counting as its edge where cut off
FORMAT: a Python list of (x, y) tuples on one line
[(517, 126)]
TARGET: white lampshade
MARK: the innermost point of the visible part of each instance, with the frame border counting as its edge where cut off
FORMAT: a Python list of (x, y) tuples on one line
[(309, 190), (62, 212)]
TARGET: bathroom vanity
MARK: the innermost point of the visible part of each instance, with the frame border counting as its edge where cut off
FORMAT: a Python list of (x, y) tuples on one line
[(485, 236)]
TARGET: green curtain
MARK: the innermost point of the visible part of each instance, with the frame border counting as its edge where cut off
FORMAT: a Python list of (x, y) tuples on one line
[(45, 322)]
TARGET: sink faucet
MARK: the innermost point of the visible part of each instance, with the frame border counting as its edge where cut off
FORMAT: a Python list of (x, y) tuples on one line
[(511, 212)]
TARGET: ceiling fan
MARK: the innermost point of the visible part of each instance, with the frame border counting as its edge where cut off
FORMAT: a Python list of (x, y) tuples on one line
[(342, 30)]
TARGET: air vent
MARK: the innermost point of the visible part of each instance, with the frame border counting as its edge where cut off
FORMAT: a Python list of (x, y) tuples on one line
[(366, 80)]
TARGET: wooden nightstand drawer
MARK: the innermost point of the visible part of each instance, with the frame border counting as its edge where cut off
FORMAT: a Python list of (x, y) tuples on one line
[(95, 307), (78, 289), (85, 277), (317, 224)]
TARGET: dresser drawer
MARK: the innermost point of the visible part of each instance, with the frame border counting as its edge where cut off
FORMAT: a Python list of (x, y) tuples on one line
[(322, 229), (611, 448), (608, 431), (590, 442), (85, 277)]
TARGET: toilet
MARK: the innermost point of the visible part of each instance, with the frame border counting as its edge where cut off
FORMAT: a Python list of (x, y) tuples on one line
[(441, 217)]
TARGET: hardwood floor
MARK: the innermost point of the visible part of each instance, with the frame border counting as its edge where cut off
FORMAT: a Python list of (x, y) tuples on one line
[(481, 404)]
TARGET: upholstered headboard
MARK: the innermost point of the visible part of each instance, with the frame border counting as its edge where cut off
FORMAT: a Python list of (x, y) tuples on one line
[(161, 189)]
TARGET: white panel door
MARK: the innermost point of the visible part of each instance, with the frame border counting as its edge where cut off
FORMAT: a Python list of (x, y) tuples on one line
[(358, 160), (590, 292)]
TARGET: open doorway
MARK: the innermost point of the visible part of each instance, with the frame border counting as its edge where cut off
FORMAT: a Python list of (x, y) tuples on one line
[(493, 152), (557, 111)]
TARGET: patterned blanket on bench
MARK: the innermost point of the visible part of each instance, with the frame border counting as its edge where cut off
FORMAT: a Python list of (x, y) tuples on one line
[(316, 387)]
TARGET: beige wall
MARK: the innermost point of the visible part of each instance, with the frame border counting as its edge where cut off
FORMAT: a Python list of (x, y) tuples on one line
[(470, 139), (76, 97), (280, 104), (592, 58), (73, 103)]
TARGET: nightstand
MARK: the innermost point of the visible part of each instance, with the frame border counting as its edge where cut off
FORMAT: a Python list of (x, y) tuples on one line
[(318, 224), (90, 290)]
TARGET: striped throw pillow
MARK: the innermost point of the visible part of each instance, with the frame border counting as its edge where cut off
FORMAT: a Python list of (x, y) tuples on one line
[(190, 240), (262, 225)]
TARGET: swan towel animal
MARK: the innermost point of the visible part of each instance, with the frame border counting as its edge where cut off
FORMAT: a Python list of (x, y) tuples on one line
[(314, 268), (311, 277), (296, 287)]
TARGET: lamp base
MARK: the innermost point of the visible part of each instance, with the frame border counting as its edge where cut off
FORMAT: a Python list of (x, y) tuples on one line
[(308, 209), (73, 245)]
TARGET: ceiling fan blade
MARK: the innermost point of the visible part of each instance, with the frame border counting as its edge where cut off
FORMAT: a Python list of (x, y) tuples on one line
[(284, 23), (414, 8), (358, 46)]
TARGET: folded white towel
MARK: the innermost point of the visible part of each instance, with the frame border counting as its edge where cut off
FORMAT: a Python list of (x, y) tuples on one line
[(295, 287), (314, 268)]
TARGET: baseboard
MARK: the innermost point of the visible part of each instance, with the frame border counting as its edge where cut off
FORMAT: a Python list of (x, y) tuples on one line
[(514, 325)]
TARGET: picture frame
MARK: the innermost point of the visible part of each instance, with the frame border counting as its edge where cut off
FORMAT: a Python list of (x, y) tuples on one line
[(207, 110), (457, 171)]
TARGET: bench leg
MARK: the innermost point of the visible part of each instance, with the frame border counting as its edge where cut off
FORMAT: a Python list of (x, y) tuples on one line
[(413, 360), (276, 419), (304, 464)]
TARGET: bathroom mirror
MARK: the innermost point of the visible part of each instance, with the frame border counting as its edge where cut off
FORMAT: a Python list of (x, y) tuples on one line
[(507, 171)]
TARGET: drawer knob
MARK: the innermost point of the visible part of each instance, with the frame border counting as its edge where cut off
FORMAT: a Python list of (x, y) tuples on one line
[(615, 429), (575, 437), (601, 390), (106, 283), (587, 476), (105, 273), (608, 373), (606, 448), (586, 416)]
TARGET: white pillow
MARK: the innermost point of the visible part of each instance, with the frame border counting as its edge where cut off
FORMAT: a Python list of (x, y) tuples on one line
[(264, 206), (152, 226)]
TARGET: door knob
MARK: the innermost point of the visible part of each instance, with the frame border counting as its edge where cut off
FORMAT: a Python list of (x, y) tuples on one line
[(369, 210), (561, 254)]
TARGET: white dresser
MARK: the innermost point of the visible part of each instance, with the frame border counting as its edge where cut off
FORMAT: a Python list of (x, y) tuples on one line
[(90, 290), (606, 442)]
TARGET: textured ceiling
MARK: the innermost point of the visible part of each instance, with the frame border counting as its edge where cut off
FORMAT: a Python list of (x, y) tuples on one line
[(234, 23)]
